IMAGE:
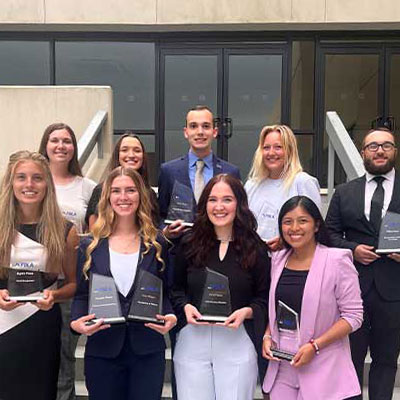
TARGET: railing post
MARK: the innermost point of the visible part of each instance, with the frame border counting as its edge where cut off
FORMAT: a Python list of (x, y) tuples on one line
[(100, 138), (93, 135), (331, 170)]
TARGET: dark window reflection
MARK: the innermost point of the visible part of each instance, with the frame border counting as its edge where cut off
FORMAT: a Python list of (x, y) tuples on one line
[(128, 68), (24, 63)]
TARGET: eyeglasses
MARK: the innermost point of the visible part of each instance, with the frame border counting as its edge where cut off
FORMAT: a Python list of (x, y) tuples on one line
[(386, 146)]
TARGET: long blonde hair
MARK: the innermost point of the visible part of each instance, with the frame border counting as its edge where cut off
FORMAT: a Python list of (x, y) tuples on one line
[(51, 224), (106, 221), (291, 165)]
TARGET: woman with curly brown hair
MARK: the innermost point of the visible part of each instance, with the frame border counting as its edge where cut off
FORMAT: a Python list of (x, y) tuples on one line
[(219, 361)]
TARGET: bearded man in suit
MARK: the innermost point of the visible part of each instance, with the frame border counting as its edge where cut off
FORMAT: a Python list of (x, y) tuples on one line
[(354, 217)]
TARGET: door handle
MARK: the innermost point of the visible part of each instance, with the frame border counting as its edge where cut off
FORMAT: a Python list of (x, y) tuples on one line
[(228, 127), (217, 125)]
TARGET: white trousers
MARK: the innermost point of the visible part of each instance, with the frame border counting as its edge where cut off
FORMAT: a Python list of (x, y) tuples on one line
[(215, 363)]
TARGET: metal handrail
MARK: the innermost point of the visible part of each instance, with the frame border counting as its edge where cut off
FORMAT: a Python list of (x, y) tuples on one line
[(340, 143), (91, 137)]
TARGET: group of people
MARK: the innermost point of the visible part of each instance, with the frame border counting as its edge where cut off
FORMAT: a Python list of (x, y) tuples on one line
[(267, 238)]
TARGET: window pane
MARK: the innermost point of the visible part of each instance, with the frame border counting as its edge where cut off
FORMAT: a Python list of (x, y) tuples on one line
[(394, 100), (24, 63), (189, 80), (305, 147), (254, 100), (302, 81), (351, 89), (127, 67)]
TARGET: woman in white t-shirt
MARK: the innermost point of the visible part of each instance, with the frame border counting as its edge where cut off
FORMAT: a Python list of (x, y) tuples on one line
[(275, 176), (73, 192)]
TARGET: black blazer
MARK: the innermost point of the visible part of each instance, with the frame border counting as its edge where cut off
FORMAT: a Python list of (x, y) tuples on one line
[(349, 227), (178, 170), (108, 343)]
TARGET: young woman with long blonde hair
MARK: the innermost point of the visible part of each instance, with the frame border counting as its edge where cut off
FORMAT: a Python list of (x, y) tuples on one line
[(125, 361), (275, 176), (35, 236)]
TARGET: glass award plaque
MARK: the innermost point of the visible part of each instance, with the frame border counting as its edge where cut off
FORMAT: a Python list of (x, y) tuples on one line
[(289, 332), (24, 285), (147, 298), (216, 300), (389, 234), (181, 205), (104, 300), (267, 221)]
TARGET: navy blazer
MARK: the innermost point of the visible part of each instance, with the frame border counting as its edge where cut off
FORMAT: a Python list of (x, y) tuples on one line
[(108, 343), (178, 170)]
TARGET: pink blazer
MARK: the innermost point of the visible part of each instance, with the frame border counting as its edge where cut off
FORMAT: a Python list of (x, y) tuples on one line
[(332, 291)]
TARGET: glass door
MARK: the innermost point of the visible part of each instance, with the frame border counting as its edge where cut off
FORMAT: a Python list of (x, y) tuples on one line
[(245, 88), (188, 78), (351, 85), (255, 95), (392, 91)]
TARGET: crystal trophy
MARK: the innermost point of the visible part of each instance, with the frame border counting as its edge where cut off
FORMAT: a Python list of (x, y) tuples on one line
[(181, 205), (216, 300), (147, 298), (288, 323), (104, 300), (24, 285), (389, 234)]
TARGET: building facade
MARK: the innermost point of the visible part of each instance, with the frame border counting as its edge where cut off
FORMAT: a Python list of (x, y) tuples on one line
[(254, 63)]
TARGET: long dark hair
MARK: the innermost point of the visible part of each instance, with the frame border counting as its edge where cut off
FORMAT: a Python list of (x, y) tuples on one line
[(199, 242), (114, 160), (322, 235), (73, 166)]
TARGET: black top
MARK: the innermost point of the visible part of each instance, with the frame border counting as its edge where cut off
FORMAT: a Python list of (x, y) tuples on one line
[(95, 198), (29, 230), (290, 288), (248, 287)]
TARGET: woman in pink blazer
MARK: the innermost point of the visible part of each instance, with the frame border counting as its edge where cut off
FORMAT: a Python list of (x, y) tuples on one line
[(321, 284)]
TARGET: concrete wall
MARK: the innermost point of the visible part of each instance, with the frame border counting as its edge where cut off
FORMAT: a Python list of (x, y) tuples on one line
[(25, 111), (159, 15)]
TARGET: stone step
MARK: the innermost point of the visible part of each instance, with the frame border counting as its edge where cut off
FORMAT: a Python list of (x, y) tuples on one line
[(80, 376), (82, 394)]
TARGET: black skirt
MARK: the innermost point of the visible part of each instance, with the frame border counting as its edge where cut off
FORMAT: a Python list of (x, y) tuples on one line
[(30, 357)]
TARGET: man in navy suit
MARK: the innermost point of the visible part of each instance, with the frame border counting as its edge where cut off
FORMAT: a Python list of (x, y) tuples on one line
[(199, 132)]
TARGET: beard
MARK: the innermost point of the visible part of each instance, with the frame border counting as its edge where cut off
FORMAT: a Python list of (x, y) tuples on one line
[(381, 169)]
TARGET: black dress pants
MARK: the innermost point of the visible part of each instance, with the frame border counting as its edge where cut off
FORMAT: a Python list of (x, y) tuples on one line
[(380, 332)]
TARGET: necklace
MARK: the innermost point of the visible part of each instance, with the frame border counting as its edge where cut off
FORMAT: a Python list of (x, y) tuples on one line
[(124, 244)]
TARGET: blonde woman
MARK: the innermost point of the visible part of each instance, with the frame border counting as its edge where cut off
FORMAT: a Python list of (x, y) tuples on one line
[(124, 361), (34, 235), (275, 176)]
